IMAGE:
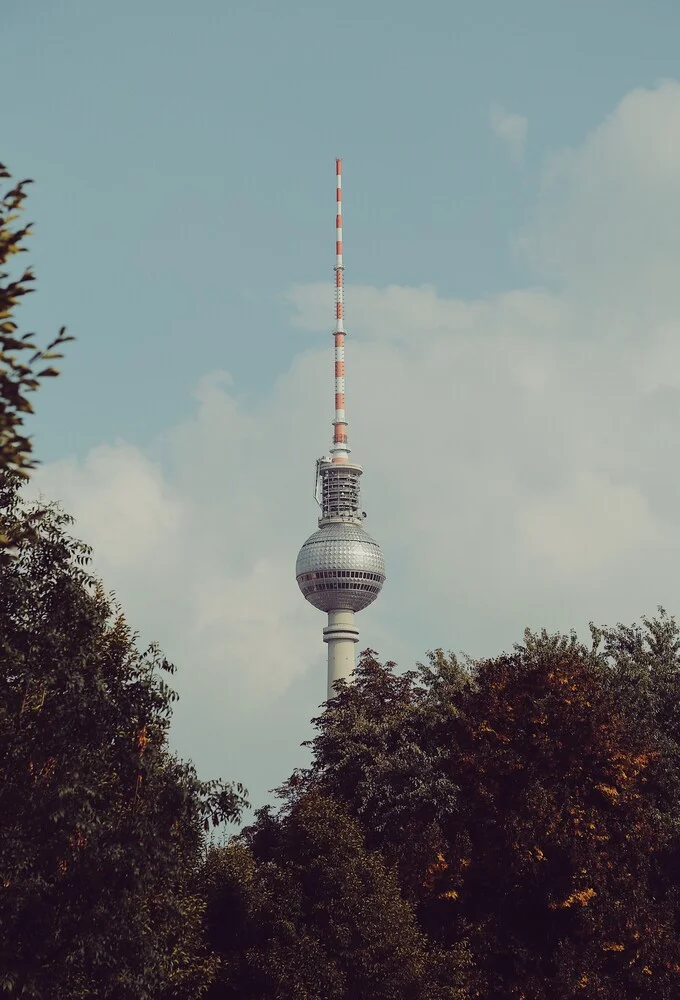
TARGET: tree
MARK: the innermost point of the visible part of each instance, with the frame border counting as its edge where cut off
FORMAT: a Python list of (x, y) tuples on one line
[(556, 881), (20, 358), (101, 827), (315, 900), (298, 908), (644, 661), (381, 749), (22, 363), (527, 805)]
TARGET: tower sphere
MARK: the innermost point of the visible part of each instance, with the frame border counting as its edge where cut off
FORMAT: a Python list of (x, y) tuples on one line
[(340, 567)]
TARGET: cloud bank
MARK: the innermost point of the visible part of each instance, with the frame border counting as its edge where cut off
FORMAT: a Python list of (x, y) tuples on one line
[(519, 454)]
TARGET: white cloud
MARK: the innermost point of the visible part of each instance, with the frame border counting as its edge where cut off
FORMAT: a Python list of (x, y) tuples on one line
[(608, 222), (510, 128), (591, 524), (130, 509), (519, 455)]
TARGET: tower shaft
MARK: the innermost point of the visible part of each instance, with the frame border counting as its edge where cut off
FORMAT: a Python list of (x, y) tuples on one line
[(342, 635)]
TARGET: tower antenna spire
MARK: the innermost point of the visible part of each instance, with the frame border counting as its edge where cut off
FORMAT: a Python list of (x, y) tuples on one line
[(339, 450)]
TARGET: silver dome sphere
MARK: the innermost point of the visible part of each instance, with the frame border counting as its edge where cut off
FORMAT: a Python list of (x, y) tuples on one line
[(340, 567)]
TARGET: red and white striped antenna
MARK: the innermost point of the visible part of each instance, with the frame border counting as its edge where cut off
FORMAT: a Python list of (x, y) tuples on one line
[(339, 449)]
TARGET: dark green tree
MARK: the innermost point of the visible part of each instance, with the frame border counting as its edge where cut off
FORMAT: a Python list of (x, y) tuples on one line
[(22, 362), (645, 665), (298, 908), (101, 827), (527, 806)]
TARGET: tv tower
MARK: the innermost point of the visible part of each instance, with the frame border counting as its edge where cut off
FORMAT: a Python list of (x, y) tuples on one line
[(340, 569)]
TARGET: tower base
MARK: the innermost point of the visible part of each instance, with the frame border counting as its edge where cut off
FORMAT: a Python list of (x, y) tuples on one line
[(342, 635)]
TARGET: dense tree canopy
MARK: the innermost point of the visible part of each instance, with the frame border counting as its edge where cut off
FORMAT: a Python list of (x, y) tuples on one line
[(302, 909), (511, 826), (100, 826)]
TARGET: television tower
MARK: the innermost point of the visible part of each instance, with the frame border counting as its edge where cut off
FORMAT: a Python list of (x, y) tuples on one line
[(340, 569)]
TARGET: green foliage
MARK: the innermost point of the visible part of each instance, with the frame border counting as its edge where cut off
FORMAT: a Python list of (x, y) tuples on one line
[(22, 363), (101, 828), (301, 909), (514, 823), (557, 885)]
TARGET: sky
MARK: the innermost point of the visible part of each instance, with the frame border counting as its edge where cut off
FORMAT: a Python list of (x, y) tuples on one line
[(512, 251)]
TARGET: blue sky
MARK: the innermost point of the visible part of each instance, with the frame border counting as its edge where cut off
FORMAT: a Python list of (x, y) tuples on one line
[(183, 159), (182, 151)]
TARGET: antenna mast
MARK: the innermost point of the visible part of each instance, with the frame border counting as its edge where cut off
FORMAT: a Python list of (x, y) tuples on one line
[(339, 450)]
